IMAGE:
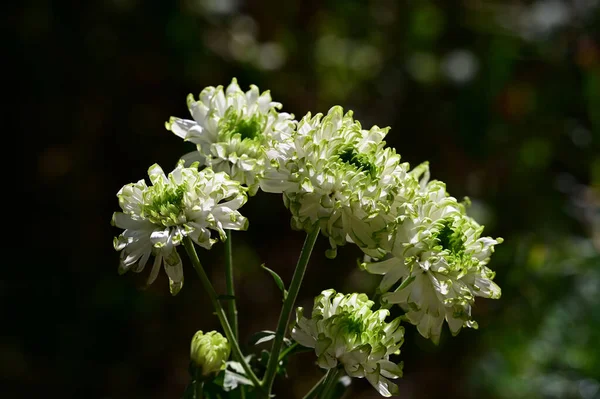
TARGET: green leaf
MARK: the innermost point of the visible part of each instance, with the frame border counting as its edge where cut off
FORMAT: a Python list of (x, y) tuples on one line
[(234, 376), (277, 279), (261, 337), (265, 336), (263, 360)]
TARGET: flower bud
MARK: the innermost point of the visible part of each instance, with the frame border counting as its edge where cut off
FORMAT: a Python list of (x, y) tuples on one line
[(209, 351)]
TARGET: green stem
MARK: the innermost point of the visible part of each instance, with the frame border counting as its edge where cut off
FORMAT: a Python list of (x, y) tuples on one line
[(208, 287), (199, 385), (286, 311), (287, 350), (231, 302), (329, 383), (317, 387), (231, 308)]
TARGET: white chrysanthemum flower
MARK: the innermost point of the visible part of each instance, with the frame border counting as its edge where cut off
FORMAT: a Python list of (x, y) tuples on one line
[(333, 172), (156, 218), (439, 258), (231, 128), (345, 332)]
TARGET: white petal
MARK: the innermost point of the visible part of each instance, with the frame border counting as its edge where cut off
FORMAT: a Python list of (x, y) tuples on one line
[(191, 157), (156, 174), (160, 237), (184, 128), (124, 221)]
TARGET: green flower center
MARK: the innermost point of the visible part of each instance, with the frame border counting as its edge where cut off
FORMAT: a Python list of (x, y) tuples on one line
[(451, 239), (359, 161), (350, 324), (251, 128), (165, 205)]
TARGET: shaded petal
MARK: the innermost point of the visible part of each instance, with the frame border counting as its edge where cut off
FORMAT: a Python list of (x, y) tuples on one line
[(383, 266), (384, 386), (454, 323), (390, 369), (155, 269)]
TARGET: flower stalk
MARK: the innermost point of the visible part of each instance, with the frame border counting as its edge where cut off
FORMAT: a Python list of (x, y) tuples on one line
[(317, 387), (286, 311), (229, 282), (208, 287), (330, 380), (199, 385)]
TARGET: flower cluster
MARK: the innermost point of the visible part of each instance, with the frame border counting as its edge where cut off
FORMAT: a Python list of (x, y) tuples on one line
[(336, 177), (343, 329), (231, 128), (156, 218)]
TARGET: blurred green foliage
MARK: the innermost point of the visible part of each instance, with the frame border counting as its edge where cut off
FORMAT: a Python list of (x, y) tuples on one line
[(503, 99)]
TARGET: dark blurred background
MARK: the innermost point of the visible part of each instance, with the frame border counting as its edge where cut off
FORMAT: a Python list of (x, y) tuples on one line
[(502, 97)]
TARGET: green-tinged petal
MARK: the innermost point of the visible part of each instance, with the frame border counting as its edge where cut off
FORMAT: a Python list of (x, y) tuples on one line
[(175, 286), (455, 324), (486, 288)]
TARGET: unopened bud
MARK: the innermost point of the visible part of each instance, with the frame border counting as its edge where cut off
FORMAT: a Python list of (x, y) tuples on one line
[(210, 351)]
